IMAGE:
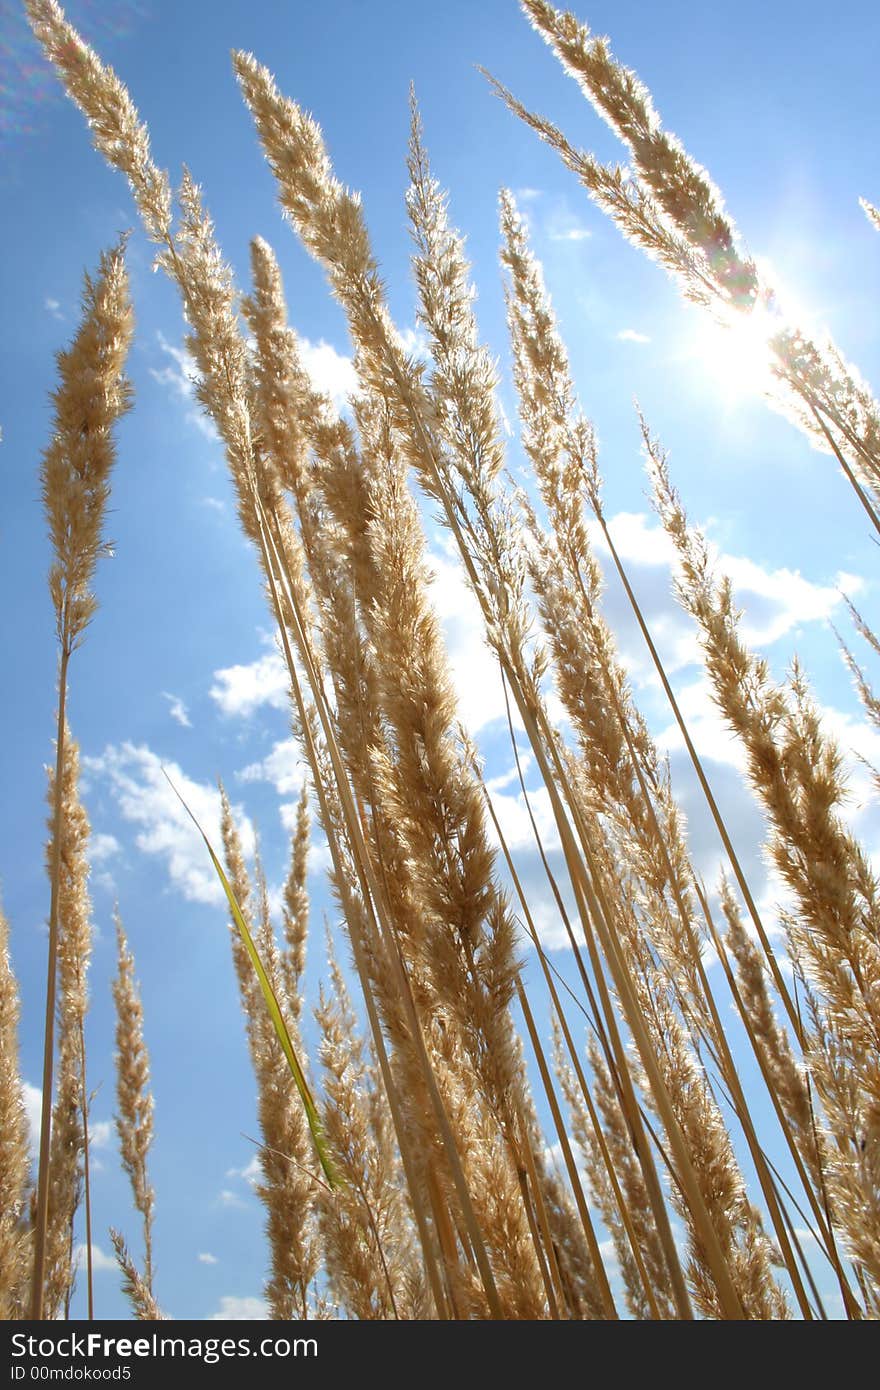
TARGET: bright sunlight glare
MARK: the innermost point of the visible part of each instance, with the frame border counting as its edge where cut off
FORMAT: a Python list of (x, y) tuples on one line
[(736, 353)]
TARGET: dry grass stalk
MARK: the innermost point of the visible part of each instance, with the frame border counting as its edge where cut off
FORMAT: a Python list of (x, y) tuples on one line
[(624, 1216), (295, 909), (682, 189), (366, 1244), (869, 700), (673, 210), (134, 1097), (735, 1222), (74, 952), (796, 772), (592, 1149), (292, 415), (871, 212), (388, 560), (788, 1078), (288, 1187), (462, 401), (625, 777), (144, 1306), (351, 266), (14, 1149), (75, 473), (291, 598)]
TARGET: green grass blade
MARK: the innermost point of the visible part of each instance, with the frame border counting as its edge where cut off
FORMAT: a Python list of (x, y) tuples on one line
[(281, 1031)]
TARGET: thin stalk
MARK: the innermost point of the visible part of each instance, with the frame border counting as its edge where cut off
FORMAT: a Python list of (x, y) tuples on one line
[(553, 1290), (86, 1171), (847, 470), (42, 1209), (595, 909), (434, 1278), (822, 1216), (549, 972), (372, 896), (724, 1061), (571, 1166), (706, 788)]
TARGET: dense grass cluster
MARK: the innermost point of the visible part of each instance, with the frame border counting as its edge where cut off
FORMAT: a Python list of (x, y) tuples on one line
[(410, 1178)]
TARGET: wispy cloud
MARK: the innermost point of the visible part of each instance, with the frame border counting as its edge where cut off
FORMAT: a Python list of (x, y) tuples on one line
[(102, 847), (251, 1173), (283, 767), (53, 307), (775, 602), (576, 233), (228, 1198), (415, 343), (474, 669), (135, 778), (33, 1100), (240, 690), (180, 376), (331, 371), (206, 1258), (236, 1309), (100, 1134), (101, 1261), (632, 335), (177, 710)]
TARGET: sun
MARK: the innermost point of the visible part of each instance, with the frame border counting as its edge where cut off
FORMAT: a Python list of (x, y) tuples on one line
[(736, 351)]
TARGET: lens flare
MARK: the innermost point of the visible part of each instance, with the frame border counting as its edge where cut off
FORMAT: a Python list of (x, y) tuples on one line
[(27, 83)]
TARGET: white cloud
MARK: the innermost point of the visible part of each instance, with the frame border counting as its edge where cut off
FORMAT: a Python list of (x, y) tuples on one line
[(555, 1158), (637, 538), (797, 599), (474, 667), (283, 767), (706, 726), (100, 1259), (774, 601), (206, 1258), (177, 710), (33, 1100), (507, 779), (331, 372), (240, 690), (102, 847), (53, 307), (180, 375), (237, 1309), (576, 233), (100, 1134), (860, 743), (527, 195), (146, 799), (516, 825), (544, 910), (228, 1198), (415, 343), (608, 1251), (251, 1173), (631, 335), (214, 504)]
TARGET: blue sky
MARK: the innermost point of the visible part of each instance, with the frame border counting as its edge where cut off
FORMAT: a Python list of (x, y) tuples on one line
[(179, 667)]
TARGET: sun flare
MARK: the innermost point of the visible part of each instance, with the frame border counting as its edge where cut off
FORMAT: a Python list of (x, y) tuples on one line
[(737, 352)]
